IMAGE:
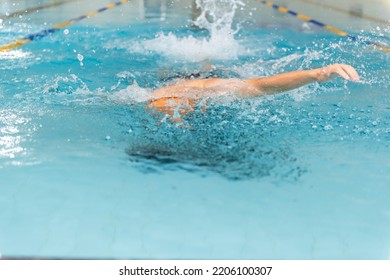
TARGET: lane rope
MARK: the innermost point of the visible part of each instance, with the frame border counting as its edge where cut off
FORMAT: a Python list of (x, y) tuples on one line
[(324, 26), (39, 35), (34, 9)]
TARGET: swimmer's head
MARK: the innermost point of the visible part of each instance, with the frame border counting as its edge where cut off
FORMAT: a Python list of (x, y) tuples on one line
[(175, 107)]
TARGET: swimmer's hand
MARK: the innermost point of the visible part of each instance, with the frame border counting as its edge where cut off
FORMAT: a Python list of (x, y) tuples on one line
[(332, 71)]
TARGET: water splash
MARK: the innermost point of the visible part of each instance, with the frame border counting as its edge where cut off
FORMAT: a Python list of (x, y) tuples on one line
[(67, 85), (131, 94), (217, 18)]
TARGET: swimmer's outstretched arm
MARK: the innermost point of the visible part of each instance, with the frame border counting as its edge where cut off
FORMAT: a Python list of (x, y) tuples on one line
[(291, 80)]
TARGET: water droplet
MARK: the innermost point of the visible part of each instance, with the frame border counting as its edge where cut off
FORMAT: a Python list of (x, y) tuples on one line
[(66, 31), (80, 57), (328, 127)]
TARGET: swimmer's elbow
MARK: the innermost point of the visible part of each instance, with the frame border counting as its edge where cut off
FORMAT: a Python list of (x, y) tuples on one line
[(256, 88)]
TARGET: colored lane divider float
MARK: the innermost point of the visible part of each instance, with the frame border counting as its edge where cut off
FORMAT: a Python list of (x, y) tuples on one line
[(330, 28), (36, 36)]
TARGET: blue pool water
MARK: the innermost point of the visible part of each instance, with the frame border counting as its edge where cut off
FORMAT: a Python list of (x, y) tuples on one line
[(86, 171)]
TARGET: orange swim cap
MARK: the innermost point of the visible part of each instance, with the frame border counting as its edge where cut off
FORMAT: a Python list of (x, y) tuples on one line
[(172, 105)]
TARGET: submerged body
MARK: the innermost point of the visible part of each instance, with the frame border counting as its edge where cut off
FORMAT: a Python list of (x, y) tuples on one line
[(184, 94)]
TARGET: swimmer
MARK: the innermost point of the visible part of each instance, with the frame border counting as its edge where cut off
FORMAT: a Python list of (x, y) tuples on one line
[(185, 93)]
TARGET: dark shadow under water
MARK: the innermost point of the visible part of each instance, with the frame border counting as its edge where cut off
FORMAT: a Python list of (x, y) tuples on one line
[(218, 140)]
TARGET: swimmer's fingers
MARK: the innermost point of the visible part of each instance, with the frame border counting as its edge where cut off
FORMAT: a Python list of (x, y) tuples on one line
[(345, 71), (341, 72), (353, 75)]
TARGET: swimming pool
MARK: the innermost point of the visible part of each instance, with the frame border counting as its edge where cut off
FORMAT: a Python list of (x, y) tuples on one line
[(88, 172)]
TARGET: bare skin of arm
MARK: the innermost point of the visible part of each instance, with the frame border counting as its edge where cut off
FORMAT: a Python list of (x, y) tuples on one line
[(253, 87), (291, 80), (182, 96)]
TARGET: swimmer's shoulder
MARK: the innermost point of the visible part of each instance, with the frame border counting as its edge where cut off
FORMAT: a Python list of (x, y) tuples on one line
[(236, 86), (186, 87), (200, 87)]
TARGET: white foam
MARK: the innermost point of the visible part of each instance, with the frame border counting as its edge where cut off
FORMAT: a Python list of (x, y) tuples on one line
[(131, 94), (14, 54), (217, 18), (194, 49)]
